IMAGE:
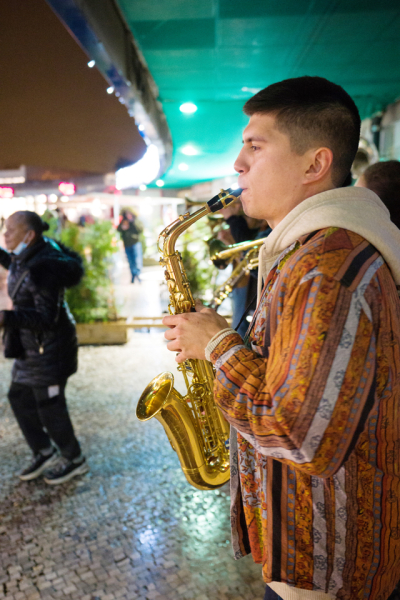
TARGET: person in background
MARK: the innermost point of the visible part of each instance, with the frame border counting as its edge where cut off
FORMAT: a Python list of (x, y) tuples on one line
[(242, 229), (383, 178), (40, 334), (313, 391), (130, 229)]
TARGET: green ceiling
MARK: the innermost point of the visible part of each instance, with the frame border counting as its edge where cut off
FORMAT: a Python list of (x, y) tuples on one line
[(207, 51)]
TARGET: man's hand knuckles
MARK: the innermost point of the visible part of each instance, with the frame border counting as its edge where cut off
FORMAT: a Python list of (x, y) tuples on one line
[(207, 311)]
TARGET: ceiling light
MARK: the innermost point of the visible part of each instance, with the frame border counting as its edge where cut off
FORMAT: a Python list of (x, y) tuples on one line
[(251, 90), (142, 187), (110, 90), (189, 150), (188, 107), (159, 183), (183, 167), (91, 64)]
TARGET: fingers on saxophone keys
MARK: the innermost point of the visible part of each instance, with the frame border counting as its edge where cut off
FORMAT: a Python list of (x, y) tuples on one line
[(180, 357), (170, 320), (174, 320), (174, 346), (170, 334)]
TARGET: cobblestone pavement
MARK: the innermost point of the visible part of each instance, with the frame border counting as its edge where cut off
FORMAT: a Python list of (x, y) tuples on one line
[(132, 528)]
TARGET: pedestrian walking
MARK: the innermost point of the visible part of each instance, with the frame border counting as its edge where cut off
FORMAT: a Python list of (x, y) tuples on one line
[(39, 333), (130, 229)]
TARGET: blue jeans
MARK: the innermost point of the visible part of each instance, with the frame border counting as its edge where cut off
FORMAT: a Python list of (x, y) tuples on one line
[(239, 296), (131, 255), (270, 594), (139, 255)]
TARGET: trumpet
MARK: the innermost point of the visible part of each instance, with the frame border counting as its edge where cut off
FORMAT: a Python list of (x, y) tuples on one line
[(225, 255), (222, 255)]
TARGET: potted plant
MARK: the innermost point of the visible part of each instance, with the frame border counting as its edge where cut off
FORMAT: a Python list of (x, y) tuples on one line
[(92, 301)]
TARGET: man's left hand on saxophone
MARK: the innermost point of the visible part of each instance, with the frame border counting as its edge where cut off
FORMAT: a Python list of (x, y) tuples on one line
[(190, 333)]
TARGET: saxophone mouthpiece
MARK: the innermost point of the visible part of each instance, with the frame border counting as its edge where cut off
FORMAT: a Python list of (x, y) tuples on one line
[(223, 199)]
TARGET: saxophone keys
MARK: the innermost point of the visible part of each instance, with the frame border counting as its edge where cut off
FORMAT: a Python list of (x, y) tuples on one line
[(186, 306), (171, 284), (213, 461)]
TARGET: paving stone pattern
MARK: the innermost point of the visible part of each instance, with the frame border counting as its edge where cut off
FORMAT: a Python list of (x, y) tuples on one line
[(132, 528)]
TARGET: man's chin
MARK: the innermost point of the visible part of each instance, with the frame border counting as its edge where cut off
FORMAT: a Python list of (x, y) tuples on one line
[(247, 209)]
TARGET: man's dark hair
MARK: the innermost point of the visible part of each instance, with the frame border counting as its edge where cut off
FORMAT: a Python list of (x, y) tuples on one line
[(32, 221), (383, 178), (313, 111)]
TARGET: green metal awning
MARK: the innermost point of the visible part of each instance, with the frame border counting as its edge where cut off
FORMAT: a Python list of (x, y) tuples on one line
[(217, 53)]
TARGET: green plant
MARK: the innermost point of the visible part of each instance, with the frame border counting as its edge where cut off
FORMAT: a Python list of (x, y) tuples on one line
[(93, 298), (196, 260)]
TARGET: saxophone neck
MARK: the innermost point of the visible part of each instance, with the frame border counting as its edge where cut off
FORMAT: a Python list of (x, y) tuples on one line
[(171, 233)]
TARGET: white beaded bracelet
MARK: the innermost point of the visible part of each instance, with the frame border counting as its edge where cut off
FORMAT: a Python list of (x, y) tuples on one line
[(218, 337)]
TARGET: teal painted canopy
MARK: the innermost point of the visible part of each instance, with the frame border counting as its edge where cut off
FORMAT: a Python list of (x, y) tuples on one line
[(218, 53)]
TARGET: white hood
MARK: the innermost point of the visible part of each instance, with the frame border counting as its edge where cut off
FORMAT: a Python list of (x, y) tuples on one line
[(354, 208)]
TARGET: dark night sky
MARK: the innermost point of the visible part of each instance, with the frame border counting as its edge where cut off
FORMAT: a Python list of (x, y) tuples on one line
[(54, 110)]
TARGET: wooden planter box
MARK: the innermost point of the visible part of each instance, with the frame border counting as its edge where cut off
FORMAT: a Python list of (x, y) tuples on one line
[(102, 334)]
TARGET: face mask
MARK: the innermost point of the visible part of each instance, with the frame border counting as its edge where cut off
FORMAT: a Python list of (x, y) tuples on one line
[(20, 248)]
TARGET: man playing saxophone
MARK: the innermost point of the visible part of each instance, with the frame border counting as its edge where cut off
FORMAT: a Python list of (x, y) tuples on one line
[(313, 391)]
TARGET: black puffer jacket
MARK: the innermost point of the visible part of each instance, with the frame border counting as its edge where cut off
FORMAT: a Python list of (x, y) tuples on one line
[(46, 326)]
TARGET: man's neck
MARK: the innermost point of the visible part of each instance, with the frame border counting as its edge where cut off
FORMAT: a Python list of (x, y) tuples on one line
[(306, 192)]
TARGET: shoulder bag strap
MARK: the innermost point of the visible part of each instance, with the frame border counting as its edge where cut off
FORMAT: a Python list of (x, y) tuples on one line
[(18, 284)]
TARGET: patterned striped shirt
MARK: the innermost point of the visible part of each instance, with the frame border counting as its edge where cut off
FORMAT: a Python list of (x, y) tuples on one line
[(315, 400)]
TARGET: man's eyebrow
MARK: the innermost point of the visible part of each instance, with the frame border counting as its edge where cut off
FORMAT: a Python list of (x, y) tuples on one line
[(254, 138)]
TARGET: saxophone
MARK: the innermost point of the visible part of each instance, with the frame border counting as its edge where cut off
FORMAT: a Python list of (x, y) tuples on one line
[(193, 423)]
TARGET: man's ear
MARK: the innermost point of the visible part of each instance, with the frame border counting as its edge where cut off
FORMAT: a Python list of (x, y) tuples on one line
[(320, 164)]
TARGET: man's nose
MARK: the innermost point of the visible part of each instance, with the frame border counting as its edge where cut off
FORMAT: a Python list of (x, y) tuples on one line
[(239, 164)]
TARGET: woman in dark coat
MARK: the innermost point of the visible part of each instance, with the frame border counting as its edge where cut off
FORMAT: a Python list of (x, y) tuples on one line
[(40, 334)]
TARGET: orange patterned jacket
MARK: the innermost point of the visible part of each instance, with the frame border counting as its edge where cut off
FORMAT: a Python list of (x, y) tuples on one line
[(314, 397)]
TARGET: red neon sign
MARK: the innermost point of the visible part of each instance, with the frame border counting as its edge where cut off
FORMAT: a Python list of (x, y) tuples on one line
[(67, 189), (6, 192)]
